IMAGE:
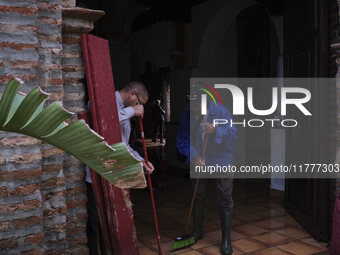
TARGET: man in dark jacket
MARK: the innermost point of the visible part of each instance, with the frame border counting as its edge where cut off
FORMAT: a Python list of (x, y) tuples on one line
[(220, 150)]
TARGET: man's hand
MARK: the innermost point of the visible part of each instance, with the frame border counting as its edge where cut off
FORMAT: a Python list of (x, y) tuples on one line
[(148, 169), (198, 161), (139, 110), (209, 128)]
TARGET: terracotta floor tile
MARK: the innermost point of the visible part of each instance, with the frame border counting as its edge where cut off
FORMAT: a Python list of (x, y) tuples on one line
[(272, 238), (293, 232), (254, 208), (235, 235), (166, 246), (189, 253), (236, 222), (180, 251), (313, 242), (151, 239), (270, 213), (216, 235), (205, 242), (248, 245), (300, 248), (270, 224), (287, 219), (146, 251), (271, 251), (211, 226), (212, 250), (249, 217), (250, 229)]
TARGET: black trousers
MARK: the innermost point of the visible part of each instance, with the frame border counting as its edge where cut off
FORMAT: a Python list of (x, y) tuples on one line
[(93, 230), (224, 189)]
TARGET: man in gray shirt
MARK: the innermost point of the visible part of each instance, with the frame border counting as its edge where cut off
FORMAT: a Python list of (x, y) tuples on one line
[(130, 101)]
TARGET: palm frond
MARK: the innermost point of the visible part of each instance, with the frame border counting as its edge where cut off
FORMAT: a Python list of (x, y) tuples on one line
[(25, 114)]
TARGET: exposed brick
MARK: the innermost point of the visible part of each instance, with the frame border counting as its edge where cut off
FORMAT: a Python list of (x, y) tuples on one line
[(51, 152), (29, 11), (77, 218), (71, 40), (56, 96), (9, 243), (76, 230), (53, 182), (72, 54), (26, 205), (30, 221), (76, 203), (14, 28), (55, 81), (51, 168), (19, 46), (2, 160), (76, 177), (23, 64), (45, 6), (19, 141), (72, 162), (51, 38), (1, 63), (34, 252), (4, 225), (80, 249), (54, 194), (82, 240), (46, 20), (24, 190), (74, 96), (57, 252), (24, 158), (36, 238), (3, 191), (72, 68), (24, 77), (77, 190), (60, 227), (48, 67), (71, 81), (55, 211), (19, 174)]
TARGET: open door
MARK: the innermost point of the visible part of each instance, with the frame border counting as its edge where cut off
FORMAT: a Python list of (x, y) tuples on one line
[(306, 56)]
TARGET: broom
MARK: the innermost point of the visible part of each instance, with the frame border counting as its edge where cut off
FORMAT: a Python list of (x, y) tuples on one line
[(150, 188), (189, 239)]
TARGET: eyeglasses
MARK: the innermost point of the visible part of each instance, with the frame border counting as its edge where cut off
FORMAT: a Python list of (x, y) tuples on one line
[(139, 102)]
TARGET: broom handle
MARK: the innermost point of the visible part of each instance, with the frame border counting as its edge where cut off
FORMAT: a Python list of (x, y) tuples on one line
[(150, 189), (196, 185)]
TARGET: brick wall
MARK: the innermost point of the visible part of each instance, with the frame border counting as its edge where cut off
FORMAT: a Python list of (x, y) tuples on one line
[(42, 189)]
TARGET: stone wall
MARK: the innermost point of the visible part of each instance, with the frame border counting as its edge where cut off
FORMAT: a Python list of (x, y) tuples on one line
[(42, 189)]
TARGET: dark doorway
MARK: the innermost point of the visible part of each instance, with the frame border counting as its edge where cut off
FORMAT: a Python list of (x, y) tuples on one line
[(305, 47)]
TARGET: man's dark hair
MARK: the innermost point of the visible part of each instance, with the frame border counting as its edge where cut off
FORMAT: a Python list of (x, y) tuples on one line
[(138, 87)]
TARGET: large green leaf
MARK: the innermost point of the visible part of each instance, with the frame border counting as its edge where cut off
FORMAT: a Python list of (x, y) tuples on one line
[(26, 115)]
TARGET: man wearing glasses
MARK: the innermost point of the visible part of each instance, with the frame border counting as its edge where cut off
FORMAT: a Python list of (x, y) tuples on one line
[(130, 101)]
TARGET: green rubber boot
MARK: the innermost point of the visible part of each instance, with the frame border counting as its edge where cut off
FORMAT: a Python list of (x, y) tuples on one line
[(225, 217), (198, 213)]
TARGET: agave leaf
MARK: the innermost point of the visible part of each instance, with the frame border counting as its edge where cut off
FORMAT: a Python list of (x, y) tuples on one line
[(25, 115)]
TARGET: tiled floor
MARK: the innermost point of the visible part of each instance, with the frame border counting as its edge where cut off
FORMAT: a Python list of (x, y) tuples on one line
[(260, 226)]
